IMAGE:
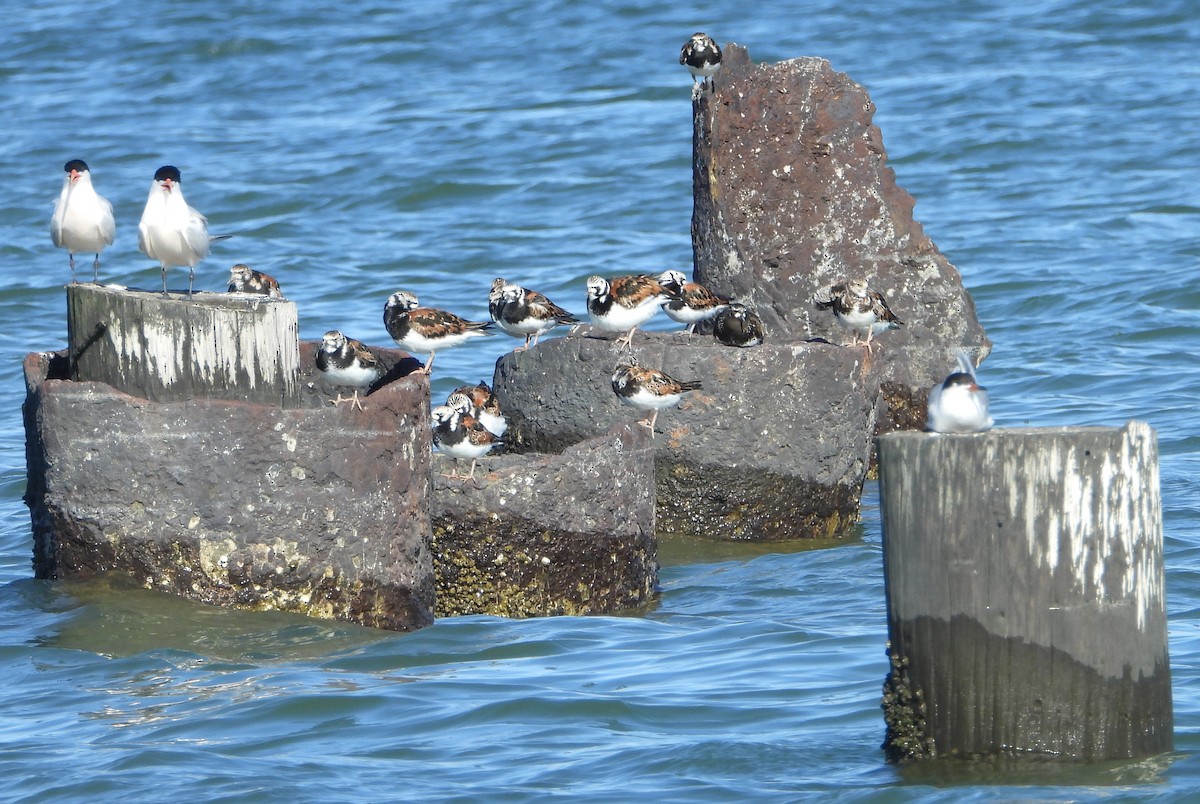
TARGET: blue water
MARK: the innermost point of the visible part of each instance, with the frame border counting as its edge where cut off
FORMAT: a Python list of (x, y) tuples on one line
[(363, 147)]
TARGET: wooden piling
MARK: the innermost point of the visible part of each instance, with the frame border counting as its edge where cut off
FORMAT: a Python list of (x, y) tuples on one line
[(174, 348), (1025, 593)]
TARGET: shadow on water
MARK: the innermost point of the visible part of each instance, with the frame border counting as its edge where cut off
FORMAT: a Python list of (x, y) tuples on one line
[(677, 550), (113, 616), (1020, 771)]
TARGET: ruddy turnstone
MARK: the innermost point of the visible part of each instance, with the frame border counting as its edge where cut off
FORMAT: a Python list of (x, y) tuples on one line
[(649, 389), (701, 55), (521, 312), (738, 325), (958, 404), (857, 308), (624, 303), (484, 406), (170, 231), (691, 303), (244, 279), (427, 330), (459, 436), (346, 362), (83, 219)]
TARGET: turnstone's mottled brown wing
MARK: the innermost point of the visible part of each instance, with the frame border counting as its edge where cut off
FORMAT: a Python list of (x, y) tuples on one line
[(541, 307), (699, 297), (881, 309), (632, 291), (477, 434), (434, 323), (359, 352), (660, 383)]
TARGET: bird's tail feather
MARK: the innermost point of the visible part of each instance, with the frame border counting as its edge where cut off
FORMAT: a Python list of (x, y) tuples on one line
[(965, 364)]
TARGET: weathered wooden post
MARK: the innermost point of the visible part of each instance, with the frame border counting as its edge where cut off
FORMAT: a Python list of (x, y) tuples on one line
[(170, 348), (1025, 590), (185, 442)]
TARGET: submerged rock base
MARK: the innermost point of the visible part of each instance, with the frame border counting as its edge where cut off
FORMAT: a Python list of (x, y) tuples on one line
[(775, 444), (536, 535), (316, 510)]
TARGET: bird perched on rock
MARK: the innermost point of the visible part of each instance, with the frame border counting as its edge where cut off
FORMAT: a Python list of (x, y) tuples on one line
[(701, 55), (346, 362), (624, 303), (691, 302), (425, 329), (521, 312), (738, 325), (171, 231), (459, 436), (485, 407), (649, 389), (244, 279), (83, 219), (958, 404), (859, 309)]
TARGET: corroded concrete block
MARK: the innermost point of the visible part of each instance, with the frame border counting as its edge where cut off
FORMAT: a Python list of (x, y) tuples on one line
[(793, 193), (318, 510), (533, 535), (775, 445)]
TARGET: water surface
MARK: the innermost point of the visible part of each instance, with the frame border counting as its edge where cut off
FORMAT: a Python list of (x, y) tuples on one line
[(363, 147)]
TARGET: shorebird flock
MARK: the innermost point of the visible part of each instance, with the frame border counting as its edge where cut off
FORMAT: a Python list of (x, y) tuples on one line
[(469, 423)]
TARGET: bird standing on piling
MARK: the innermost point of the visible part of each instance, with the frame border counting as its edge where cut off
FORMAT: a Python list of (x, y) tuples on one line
[(701, 55), (425, 329), (624, 303), (244, 279), (649, 389), (859, 309), (83, 219), (519, 312), (691, 302), (485, 407), (346, 362), (458, 436), (959, 404), (170, 231)]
